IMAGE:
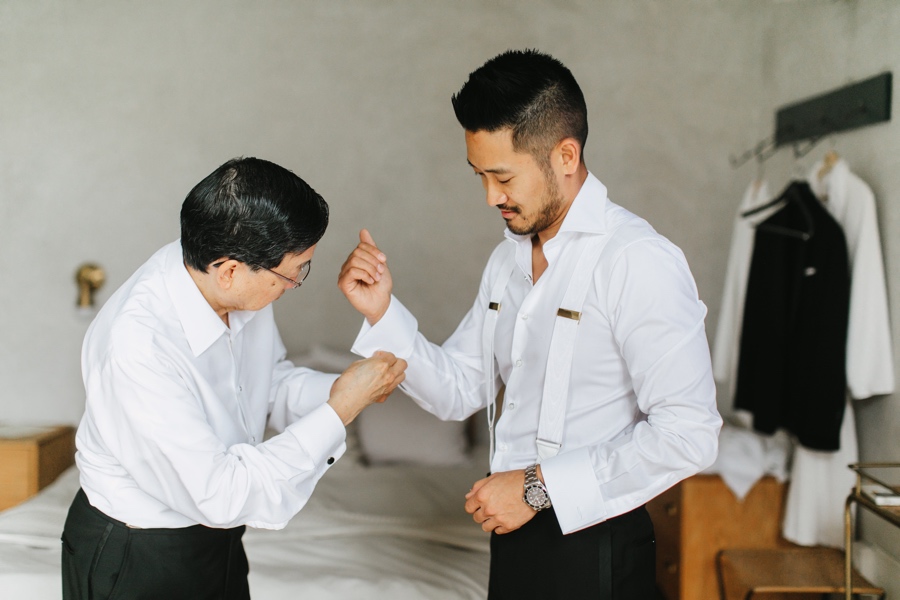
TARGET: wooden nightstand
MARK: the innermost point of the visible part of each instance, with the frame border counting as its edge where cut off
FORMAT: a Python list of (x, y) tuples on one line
[(31, 458), (700, 516)]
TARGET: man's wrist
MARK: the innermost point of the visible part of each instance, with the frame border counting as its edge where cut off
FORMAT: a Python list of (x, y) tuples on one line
[(377, 316), (536, 495)]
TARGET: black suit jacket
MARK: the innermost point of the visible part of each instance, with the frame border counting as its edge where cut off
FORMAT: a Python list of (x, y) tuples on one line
[(791, 370)]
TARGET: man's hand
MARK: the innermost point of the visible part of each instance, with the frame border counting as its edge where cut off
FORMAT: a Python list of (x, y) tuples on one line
[(496, 502), (366, 382), (366, 280)]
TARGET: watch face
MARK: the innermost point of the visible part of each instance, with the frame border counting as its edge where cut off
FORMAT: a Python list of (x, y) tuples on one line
[(535, 496)]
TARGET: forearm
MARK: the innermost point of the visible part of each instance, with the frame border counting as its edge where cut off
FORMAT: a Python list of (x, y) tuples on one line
[(445, 380)]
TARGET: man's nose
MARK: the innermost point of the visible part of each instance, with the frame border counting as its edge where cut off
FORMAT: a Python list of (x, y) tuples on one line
[(495, 196)]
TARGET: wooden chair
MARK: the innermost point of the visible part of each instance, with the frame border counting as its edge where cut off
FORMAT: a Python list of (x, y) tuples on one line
[(744, 573)]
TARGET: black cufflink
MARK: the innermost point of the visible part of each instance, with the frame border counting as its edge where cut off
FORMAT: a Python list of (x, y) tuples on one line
[(330, 460)]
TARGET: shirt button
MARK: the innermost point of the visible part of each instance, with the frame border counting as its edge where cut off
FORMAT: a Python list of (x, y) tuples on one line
[(519, 363), (252, 438), (240, 388), (502, 448), (512, 405), (330, 460), (524, 317)]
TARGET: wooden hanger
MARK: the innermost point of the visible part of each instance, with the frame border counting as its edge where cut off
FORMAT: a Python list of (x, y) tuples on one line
[(828, 161)]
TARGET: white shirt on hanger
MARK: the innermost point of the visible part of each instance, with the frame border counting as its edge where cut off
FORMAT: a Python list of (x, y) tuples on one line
[(726, 345), (870, 358), (641, 410), (177, 404)]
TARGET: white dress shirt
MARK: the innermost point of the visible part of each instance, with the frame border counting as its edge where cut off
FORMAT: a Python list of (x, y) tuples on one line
[(177, 404), (641, 407)]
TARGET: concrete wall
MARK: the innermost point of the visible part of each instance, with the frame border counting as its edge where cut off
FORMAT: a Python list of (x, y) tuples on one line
[(110, 111)]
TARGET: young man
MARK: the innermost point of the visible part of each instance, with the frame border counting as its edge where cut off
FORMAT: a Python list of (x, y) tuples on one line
[(184, 369), (592, 322)]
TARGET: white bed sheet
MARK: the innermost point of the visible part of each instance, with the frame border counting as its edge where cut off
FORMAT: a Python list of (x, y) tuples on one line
[(382, 532)]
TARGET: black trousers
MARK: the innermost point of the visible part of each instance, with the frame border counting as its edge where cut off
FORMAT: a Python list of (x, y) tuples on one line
[(105, 559), (614, 560)]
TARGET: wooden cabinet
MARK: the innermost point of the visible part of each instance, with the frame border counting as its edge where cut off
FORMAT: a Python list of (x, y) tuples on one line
[(700, 516), (31, 458)]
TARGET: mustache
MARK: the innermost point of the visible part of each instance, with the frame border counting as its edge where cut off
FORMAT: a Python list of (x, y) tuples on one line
[(508, 208)]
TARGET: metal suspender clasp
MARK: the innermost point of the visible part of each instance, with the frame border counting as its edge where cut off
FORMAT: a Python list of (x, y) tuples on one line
[(494, 306), (569, 314)]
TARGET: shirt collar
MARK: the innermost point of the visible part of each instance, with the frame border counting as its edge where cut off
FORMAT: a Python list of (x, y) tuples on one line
[(586, 215), (201, 325)]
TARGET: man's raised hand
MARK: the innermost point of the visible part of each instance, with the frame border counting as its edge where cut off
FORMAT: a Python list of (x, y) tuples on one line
[(366, 280)]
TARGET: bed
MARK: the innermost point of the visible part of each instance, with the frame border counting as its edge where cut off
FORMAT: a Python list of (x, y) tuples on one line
[(387, 521)]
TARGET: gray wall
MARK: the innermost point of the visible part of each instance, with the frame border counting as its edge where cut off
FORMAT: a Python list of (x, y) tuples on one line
[(111, 111)]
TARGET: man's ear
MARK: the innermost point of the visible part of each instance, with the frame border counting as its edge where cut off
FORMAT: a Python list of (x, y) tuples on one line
[(568, 155), (225, 272)]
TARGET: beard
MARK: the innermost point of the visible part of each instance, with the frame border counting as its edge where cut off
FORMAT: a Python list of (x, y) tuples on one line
[(550, 205)]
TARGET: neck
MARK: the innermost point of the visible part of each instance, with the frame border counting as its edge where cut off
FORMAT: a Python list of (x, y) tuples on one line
[(568, 189), (206, 283)]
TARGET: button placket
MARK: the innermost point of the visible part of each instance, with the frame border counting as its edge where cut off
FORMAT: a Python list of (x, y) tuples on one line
[(238, 390)]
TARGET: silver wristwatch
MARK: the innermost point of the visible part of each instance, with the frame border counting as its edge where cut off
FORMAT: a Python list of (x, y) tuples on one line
[(535, 492)]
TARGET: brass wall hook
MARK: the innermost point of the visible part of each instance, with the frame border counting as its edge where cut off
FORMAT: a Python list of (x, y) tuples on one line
[(89, 277)]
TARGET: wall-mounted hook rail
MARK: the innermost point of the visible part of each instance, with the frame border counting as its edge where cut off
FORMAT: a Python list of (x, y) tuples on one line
[(856, 105), (761, 151)]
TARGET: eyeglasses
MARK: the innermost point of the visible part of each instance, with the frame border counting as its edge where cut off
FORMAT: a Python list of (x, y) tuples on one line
[(304, 273)]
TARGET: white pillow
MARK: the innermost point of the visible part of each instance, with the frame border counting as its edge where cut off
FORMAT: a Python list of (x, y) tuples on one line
[(399, 431)]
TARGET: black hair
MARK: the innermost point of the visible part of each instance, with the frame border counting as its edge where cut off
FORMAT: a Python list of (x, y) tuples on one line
[(530, 92), (252, 211)]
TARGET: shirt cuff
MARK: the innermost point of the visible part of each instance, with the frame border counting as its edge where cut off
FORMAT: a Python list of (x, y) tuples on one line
[(395, 332), (574, 490), (321, 434), (316, 388)]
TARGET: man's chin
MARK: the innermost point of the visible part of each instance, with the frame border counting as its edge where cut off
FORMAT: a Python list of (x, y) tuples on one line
[(518, 230)]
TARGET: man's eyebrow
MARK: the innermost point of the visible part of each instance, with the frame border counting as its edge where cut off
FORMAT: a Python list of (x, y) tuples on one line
[(496, 171)]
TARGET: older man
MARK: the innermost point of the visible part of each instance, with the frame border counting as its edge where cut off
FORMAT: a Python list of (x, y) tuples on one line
[(184, 369)]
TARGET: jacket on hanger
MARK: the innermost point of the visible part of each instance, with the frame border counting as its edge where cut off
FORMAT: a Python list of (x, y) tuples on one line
[(791, 370)]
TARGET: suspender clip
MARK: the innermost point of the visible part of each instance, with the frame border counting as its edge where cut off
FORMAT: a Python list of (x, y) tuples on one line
[(569, 314)]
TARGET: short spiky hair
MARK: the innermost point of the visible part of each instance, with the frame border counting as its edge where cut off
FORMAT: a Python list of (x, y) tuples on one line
[(530, 92), (253, 211)]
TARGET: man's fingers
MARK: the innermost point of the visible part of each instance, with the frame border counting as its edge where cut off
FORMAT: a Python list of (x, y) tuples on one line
[(359, 272), (363, 261), (399, 368), (477, 486), (370, 254), (366, 237)]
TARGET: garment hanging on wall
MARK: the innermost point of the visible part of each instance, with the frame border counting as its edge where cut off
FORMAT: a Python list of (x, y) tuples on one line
[(870, 360), (793, 337), (731, 313), (820, 480)]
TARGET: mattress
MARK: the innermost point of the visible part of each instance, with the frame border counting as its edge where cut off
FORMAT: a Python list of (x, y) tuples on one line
[(368, 532)]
